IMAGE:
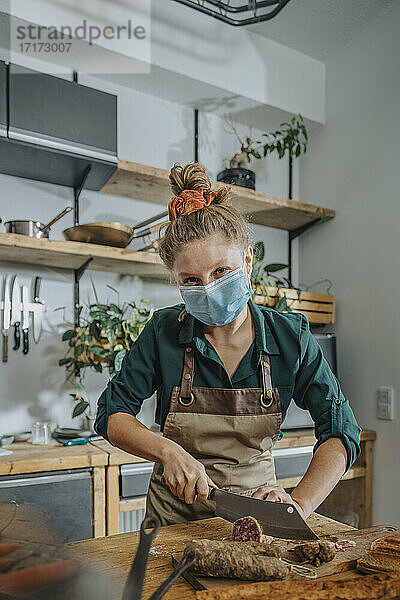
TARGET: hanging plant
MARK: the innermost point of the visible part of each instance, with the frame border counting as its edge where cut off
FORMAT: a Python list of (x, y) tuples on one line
[(105, 336)]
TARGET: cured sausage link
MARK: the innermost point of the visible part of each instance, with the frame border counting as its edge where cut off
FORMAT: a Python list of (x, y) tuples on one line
[(251, 561)]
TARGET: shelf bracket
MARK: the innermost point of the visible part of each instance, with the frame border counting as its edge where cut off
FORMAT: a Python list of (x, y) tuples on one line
[(293, 234), (77, 277), (196, 135), (77, 194), (80, 270)]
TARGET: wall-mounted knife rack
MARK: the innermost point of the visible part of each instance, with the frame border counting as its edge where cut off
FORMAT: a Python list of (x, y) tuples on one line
[(25, 308)]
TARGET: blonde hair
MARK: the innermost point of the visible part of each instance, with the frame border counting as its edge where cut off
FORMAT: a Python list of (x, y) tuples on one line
[(217, 217)]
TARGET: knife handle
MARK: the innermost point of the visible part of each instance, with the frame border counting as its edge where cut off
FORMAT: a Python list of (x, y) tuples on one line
[(36, 292), (5, 348), (17, 336), (211, 491), (25, 341), (80, 442)]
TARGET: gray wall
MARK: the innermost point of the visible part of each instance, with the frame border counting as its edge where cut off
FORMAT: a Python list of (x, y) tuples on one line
[(353, 166), (153, 132)]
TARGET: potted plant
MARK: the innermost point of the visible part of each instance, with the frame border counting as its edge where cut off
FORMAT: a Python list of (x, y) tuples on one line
[(237, 172), (278, 292), (291, 139), (268, 284), (106, 333)]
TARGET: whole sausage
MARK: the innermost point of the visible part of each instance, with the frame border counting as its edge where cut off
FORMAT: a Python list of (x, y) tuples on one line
[(251, 561)]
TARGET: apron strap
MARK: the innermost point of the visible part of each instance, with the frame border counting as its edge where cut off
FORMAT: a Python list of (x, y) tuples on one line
[(268, 392), (188, 373)]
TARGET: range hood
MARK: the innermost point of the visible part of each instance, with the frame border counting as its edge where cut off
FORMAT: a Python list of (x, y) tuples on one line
[(53, 130)]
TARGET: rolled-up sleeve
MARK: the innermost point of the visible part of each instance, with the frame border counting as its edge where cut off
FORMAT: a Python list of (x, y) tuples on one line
[(318, 390), (137, 380)]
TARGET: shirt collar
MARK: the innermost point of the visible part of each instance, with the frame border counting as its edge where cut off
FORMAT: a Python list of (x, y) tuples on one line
[(265, 342)]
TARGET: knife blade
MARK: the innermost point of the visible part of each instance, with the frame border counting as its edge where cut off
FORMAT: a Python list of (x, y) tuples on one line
[(38, 314), (16, 312), (278, 519), (25, 320), (6, 316)]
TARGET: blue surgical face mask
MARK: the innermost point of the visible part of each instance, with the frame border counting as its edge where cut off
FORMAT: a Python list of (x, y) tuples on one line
[(220, 301)]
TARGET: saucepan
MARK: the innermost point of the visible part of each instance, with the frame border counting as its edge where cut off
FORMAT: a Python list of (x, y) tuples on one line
[(113, 233), (34, 229)]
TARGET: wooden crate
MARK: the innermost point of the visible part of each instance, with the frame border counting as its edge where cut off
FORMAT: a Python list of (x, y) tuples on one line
[(318, 308)]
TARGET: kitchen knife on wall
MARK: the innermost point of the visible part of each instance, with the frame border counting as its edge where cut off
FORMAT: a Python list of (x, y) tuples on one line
[(16, 312), (6, 316), (38, 314), (25, 320), (277, 519)]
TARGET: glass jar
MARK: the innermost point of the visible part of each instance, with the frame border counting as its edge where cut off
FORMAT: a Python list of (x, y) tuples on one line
[(41, 433)]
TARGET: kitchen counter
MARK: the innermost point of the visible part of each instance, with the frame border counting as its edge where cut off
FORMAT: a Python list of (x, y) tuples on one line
[(354, 491), (112, 556), (31, 458)]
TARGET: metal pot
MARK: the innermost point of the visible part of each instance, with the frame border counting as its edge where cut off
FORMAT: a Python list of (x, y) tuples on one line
[(34, 229)]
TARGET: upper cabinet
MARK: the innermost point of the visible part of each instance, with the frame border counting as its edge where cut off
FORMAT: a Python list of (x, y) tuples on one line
[(62, 114), (56, 130), (3, 99)]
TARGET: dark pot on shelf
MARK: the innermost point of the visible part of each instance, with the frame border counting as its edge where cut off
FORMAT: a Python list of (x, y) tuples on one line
[(238, 176)]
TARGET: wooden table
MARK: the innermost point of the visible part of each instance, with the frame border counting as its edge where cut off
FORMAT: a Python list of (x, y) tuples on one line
[(29, 458), (112, 556), (354, 491)]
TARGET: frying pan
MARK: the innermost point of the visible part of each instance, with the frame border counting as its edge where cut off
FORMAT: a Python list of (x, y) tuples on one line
[(112, 233), (34, 229)]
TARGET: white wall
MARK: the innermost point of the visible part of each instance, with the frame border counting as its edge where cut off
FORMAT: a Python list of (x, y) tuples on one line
[(153, 132), (353, 166), (194, 58)]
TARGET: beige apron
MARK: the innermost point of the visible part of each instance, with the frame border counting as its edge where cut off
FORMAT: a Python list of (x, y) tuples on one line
[(231, 431)]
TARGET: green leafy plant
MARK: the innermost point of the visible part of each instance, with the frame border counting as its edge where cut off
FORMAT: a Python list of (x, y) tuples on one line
[(105, 336), (264, 276), (291, 139), (80, 406)]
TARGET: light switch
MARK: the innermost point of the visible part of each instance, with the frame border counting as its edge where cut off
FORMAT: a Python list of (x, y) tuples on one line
[(385, 403)]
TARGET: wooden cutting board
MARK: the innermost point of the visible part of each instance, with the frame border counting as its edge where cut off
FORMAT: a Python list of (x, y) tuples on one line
[(345, 560)]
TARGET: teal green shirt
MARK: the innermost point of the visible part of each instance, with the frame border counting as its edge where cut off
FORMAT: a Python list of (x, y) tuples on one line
[(298, 369)]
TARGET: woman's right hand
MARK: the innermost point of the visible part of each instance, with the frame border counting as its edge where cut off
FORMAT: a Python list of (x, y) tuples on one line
[(185, 476)]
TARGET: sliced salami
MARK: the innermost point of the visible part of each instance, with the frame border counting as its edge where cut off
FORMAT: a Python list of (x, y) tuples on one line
[(247, 529)]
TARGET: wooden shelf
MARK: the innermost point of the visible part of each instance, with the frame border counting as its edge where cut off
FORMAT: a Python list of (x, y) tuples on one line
[(72, 255), (141, 182)]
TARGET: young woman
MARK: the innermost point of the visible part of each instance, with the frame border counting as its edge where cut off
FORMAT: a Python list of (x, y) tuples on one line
[(225, 371)]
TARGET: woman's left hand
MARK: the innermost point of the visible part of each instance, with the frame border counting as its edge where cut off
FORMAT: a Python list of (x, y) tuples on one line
[(275, 493)]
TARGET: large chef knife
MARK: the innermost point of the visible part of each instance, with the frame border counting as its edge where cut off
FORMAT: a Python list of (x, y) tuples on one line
[(6, 316), (16, 312), (277, 519), (25, 320), (38, 314)]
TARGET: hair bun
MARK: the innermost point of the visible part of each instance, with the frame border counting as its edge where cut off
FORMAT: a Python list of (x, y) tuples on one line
[(193, 176)]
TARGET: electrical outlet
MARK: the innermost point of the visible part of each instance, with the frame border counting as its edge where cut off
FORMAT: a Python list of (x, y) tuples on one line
[(385, 403)]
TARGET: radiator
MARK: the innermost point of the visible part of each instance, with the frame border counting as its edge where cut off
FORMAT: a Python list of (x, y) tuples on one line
[(131, 520)]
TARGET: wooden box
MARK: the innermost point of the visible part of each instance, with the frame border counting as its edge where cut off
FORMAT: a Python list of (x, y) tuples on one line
[(318, 308)]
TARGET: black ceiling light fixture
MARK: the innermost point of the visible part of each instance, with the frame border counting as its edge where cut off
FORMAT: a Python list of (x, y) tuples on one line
[(237, 12)]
